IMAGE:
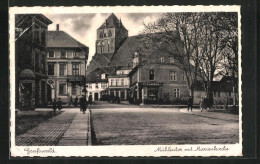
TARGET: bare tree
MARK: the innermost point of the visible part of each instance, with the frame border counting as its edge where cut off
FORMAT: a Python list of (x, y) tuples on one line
[(176, 34)]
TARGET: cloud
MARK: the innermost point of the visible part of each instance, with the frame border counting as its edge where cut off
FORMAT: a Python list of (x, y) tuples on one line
[(83, 26)]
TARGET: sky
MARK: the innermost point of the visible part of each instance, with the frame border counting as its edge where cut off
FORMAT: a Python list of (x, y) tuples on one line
[(83, 27)]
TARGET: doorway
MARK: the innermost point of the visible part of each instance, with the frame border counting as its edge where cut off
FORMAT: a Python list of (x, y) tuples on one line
[(96, 96)]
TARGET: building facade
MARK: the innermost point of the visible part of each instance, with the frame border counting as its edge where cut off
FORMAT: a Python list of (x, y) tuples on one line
[(118, 83), (30, 60), (67, 60), (97, 83), (157, 80)]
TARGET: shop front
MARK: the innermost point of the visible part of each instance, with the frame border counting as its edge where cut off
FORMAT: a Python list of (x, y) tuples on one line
[(145, 92)]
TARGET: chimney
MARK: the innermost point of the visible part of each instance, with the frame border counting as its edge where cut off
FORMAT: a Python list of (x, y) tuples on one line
[(57, 27)]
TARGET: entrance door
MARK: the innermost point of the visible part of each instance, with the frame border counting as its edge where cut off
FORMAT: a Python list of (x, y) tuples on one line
[(96, 96)]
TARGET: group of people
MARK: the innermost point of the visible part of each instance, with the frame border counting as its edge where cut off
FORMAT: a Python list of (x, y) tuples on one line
[(82, 102), (204, 103)]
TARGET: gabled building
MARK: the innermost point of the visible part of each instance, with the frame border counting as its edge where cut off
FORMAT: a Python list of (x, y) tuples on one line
[(118, 82), (30, 60), (67, 60), (97, 83)]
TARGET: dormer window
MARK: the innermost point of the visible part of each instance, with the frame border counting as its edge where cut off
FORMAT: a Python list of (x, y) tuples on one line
[(162, 59), (103, 76)]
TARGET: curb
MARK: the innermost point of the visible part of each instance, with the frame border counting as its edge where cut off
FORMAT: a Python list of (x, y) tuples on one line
[(89, 137)]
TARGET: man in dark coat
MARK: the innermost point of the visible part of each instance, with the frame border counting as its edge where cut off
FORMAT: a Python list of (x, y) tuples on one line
[(59, 104), (190, 103), (76, 101), (54, 106), (81, 103), (84, 104)]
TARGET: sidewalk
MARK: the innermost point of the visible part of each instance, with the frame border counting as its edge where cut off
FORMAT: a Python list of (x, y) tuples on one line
[(213, 115), (48, 132), (78, 134), (67, 129)]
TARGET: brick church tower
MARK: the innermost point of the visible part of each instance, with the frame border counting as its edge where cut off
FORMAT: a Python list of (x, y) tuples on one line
[(110, 35)]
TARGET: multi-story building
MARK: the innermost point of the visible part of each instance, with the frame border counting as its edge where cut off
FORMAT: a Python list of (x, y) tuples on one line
[(97, 83), (118, 83), (30, 60), (160, 78), (67, 60)]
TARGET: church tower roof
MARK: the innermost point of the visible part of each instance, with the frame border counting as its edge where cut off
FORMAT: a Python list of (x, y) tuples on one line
[(111, 22)]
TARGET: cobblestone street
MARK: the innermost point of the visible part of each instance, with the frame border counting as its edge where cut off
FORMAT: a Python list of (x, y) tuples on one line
[(52, 131)]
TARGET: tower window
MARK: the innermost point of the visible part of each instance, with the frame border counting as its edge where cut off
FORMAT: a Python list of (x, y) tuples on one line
[(109, 33), (101, 35)]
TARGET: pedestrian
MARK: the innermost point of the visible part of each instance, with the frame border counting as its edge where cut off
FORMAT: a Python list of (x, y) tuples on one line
[(59, 104), (190, 103), (81, 103), (76, 101), (90, 99), (70, 101), (84, 104), (54, 106)]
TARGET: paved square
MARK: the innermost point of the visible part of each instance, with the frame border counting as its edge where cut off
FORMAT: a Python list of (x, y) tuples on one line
[(154, 126)]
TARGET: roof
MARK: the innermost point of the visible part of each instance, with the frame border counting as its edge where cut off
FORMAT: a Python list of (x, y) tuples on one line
[(62, 40), (98, 61), (112, 22), (124, 55), (20, 17), (95, 76)]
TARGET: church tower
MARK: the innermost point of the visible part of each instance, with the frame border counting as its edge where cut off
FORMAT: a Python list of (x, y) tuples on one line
[(110, 35)]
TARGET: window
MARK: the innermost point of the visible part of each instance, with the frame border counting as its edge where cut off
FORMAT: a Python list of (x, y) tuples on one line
[(103, 76), (122, 82), (51, 54), (229, 94), (171, 59), (62, 69), (75, 54), (176, 93), (62, 88), (103, 86), (117, 82), (62, 54), (173, 76), (109, 33), (74, 89), (75, 69), (96, 85), (162, 59), (111, 82), (43, 33), (184, 77), (90, 86), (101, 34), (151, 75), (50, 68)]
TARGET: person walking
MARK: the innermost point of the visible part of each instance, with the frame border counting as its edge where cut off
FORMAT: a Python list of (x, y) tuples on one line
[(190, 103), (76, 101), (81, 103), (59, 104), (84, 104), (54, 106)]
